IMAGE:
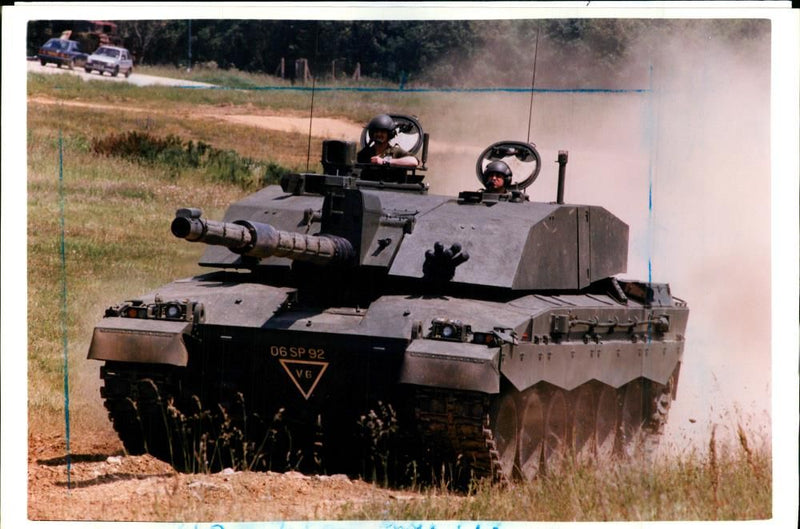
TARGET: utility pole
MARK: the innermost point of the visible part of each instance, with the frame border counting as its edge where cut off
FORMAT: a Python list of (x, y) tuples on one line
[(189, 40)]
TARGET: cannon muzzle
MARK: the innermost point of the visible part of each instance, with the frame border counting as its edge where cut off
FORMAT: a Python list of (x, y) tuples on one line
[(256, 239)]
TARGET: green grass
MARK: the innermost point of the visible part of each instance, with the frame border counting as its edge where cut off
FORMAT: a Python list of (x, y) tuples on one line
[(233, 78), (209, 73), (360, 106)]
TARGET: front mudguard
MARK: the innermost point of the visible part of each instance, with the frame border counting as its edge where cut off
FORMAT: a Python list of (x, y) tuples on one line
[(140, 340), (451, 365)]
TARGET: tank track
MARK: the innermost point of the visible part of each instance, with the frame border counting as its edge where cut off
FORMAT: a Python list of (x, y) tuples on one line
[(454, 430), (152, 413), (137, 399)]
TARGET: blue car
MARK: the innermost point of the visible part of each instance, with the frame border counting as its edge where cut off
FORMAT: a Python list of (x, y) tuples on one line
[(62, 51)]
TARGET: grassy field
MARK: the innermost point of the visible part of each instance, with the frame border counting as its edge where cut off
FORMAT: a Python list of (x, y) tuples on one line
[(116, 223), (735, 484), (233, 78), (240, 90)]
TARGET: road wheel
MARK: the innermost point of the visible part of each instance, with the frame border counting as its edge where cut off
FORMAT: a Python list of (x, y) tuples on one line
[(633, 407), (583, 424), (555, 431), (115, 72), (606, 423), (503, 421), (660, 399), (43, 62), (88, 70), (128, 73), (531, 434)]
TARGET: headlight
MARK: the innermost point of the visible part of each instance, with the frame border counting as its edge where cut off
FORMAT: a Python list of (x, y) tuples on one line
[(170, 310), (173, 311), (447, 329)]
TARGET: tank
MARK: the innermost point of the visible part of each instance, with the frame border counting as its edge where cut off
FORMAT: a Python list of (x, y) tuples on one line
[(352, 322)]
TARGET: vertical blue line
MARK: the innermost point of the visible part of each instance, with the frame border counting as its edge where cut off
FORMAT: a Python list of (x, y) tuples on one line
[(64, 299), (650, 230), (650, 219)]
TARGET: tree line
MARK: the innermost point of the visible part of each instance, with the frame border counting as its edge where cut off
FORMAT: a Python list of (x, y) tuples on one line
[(441, 52)]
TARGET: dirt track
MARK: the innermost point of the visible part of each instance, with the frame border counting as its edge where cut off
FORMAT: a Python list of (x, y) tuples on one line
[(321, 128), (135, 78)]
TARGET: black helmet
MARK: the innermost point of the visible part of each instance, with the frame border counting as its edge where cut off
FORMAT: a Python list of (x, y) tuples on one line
[(382, 122), (498, 167)]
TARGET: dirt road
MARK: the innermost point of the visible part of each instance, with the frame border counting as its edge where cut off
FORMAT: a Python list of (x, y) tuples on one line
[(135, 78)]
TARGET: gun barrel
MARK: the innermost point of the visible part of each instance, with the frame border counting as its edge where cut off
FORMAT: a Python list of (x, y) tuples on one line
[(256, 239), (234, 236)]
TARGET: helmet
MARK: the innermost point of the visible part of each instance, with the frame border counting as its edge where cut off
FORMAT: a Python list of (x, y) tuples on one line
[(498, 167), (382, 122)]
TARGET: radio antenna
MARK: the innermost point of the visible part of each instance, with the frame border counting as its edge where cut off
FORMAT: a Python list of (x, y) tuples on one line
[(313, 90), (310, 121), (533, 79)]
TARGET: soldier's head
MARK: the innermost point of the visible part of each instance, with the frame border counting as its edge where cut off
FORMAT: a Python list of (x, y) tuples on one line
[(381, 128), (497, 177)]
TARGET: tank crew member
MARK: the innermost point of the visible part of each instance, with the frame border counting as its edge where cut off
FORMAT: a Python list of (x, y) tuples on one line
[(497, 177), (382, 128)]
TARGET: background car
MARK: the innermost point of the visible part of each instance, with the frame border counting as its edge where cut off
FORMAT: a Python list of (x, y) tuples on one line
[(110, 59), (62, 51)]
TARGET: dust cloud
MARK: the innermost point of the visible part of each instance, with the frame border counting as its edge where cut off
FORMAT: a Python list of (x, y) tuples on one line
[(697, 137)]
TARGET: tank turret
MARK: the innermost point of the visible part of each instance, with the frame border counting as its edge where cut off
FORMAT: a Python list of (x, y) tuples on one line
[(488, 332), (505, 241)]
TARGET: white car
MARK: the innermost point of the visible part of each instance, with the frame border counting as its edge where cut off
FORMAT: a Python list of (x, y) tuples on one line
[(110, 59)]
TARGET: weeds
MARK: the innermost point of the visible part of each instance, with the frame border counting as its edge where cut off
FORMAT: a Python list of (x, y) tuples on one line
[(378, 430), (677, 489), (712, 464), (172, 152)]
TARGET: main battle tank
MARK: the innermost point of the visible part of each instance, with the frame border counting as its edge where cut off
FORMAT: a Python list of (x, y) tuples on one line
[(355, 323)]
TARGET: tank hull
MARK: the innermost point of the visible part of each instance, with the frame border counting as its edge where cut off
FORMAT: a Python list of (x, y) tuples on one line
[(373, 390)]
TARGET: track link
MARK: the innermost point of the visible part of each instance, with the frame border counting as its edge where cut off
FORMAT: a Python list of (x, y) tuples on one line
[(455, 431)]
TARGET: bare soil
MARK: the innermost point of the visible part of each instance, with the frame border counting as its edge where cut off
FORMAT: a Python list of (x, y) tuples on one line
[(321, 127), (104, 484)]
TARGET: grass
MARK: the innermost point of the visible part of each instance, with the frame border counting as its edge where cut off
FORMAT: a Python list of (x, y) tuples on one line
[(731, 483), (359, 106), (116, 220), (233, 78)]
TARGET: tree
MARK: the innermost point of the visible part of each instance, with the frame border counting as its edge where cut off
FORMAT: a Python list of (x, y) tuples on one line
[(139, 36)]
